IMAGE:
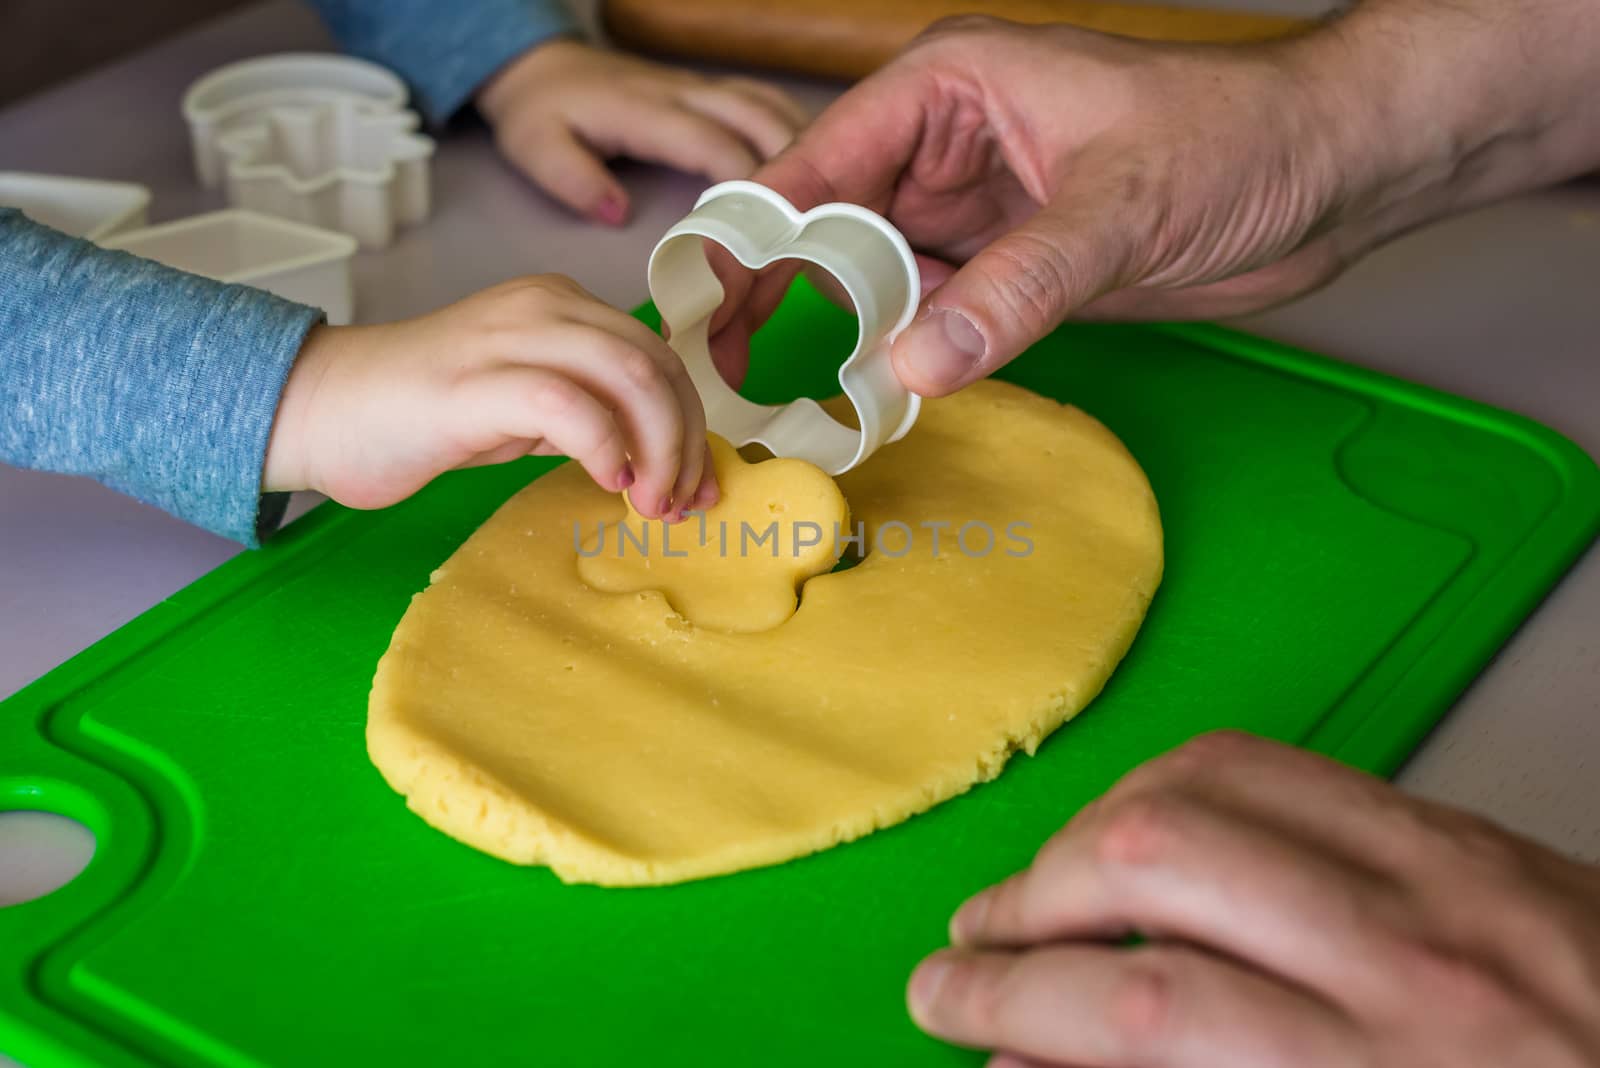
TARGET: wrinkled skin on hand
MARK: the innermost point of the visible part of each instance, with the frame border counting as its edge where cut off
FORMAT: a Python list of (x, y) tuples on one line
[(1044, 171), (1296, 914), (1047, 172)]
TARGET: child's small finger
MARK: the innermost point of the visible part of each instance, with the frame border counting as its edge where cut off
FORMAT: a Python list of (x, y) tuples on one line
[(691, 469), (796, 113), (605, 317), (673, 373), (663, 132), (570, 171), (766, 129), (636, 383), (709, 492), (689, 458), (692, 458), (539, 403)]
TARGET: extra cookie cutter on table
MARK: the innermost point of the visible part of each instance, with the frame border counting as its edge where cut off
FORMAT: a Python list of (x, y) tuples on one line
[(861, 249), (323, 140)]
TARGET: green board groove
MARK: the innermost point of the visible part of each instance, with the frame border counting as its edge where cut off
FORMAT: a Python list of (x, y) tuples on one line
[(1344, 553)]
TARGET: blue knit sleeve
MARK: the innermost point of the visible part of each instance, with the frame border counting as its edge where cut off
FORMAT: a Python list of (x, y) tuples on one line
[(160, 384), (444, 50)]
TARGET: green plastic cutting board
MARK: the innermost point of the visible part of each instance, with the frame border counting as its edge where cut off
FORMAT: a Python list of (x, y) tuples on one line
[(1344, 553)]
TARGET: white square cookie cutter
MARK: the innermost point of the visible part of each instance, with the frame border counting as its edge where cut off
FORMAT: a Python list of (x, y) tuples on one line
[(296, 262), (319, 139), (80, 207), (869, 258)]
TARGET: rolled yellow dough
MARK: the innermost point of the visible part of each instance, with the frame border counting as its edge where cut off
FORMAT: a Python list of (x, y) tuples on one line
[(607, 736)]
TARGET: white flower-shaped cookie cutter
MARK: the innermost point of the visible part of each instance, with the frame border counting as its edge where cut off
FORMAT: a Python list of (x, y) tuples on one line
[(870, 259)]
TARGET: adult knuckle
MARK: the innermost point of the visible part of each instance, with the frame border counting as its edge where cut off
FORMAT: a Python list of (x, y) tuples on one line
[(1483, 848), (1539, 928), (1040, 279), (1438, 975), (1219, 746), (1143, 1006), (1535, 926), (1139, 831)]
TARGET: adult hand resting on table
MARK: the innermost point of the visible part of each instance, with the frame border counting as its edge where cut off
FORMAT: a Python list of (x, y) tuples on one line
[(1048, 171), (1297, 914)]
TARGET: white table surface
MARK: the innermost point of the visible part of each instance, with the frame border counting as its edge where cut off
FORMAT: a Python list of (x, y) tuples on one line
[(1502, 305)]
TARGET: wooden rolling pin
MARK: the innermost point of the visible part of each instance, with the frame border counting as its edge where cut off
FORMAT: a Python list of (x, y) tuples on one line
[(849, 38)]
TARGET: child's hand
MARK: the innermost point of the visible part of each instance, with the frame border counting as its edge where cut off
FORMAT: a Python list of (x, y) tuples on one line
[(538, 366), (563, 107)]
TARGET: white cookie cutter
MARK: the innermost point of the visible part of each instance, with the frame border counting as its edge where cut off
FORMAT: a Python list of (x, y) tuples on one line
[(82, 207), (862, 250), (238, 94), (299, 263), (345, 164), (320, 139)]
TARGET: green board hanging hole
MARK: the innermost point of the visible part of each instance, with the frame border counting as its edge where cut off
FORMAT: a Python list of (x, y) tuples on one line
[(40, 852)]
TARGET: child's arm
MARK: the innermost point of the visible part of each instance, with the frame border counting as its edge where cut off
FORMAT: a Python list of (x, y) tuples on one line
[(443, 50), (157, 383), (559, 107), (167, 386)]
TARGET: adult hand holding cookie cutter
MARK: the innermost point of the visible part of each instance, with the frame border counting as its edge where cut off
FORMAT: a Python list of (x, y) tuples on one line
[(862, 250)]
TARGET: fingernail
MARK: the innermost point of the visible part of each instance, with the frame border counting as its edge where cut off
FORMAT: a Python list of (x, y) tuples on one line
[(612, 210), (968, 920), (625, 477), (942, 347), (926, 982)]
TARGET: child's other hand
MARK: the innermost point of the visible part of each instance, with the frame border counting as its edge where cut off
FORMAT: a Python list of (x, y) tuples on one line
[(562, 108), (370, 414)]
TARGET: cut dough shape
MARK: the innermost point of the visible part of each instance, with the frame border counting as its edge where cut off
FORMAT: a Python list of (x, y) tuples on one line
[(606, 736), (738, 566)]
